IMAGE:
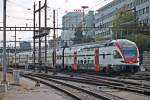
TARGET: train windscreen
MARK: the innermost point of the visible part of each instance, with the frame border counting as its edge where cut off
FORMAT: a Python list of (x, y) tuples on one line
[(129, 48), (130, 52)]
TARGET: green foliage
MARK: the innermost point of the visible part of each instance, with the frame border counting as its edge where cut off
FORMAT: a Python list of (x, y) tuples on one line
[(99, 39), (122, 19), (78, 37), (87, 39), (123, 16), (142, 41)]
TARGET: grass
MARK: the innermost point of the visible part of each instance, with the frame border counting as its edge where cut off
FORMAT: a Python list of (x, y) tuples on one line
[(1, 97), (24, 87)]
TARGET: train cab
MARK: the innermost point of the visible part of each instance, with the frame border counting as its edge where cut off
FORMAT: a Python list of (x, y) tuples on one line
[(129, 52)]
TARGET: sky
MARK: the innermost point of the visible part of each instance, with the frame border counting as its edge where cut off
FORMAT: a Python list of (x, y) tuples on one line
[(20, 13)]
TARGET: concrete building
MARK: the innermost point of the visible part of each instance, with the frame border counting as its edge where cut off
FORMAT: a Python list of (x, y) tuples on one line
[(90, 23), (74, 20), (104, 15), (69, 22)]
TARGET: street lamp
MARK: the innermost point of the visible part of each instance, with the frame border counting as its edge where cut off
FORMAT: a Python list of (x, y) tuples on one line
[(83, 19)]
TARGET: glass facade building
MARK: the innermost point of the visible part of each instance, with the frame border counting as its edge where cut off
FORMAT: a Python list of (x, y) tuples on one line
[(104, 15)]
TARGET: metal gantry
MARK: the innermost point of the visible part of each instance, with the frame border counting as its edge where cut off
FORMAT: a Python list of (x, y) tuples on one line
[(40, 34)]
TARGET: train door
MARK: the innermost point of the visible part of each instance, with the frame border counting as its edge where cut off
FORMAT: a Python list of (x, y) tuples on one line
[(97, 65)]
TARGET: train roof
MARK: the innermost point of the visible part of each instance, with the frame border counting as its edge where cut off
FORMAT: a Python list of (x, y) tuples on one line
[(101, 44), (91, 43)]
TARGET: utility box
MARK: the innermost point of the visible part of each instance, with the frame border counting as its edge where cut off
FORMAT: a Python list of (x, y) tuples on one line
[(3, 88), (146, 60), (16, 76)]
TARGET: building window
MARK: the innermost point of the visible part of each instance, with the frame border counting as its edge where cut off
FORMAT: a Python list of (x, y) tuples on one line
[(140, 12), (147, 20), (143, 10), (131, 5), (103, 55), (147, 9)]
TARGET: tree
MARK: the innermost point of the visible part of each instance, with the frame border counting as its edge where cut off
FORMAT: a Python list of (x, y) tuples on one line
[(87, 39), (126, 25), (121, 18), (98, 38), (78, 36)]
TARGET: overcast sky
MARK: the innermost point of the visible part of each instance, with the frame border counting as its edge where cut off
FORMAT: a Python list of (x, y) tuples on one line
[(17, 13)]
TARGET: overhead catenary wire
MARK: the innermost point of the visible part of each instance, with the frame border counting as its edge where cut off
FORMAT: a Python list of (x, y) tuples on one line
[(17, 4), (98, 3), (78, 28)]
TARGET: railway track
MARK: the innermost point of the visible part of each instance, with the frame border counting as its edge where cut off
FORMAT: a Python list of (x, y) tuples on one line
[(139, 77), (115, 80), (114, 83), (74, 91), (121, 84), (105, 81)]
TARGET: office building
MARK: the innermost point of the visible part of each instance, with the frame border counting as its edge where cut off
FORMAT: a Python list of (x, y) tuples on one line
[(104, 15)]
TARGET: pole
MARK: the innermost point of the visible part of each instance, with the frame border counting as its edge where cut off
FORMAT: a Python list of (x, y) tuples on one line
[(4, 43), (63, 57), (134, 12), (46, 66), (39, 37), (8, 54), (45, 36), (34, 36), (54, 39), (15, 46), (83, 20)]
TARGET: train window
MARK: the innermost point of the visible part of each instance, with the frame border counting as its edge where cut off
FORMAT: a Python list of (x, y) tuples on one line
[(117, 54), (57, 57), (105, 44), (30, 58), (103, 55), (90, 61), (111, 44), (80, 61), (85, 62)]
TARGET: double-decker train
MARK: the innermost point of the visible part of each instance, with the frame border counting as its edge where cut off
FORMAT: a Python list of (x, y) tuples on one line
[(114, 55)]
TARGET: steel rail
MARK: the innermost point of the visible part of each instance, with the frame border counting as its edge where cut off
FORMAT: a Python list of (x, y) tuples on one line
[(98, 81), (103, 96)]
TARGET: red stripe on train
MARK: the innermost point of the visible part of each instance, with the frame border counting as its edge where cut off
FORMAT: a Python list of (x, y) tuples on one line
[(97, 66)]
